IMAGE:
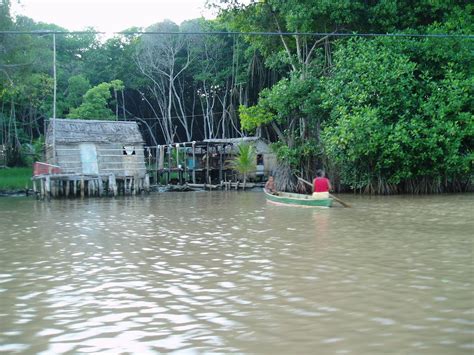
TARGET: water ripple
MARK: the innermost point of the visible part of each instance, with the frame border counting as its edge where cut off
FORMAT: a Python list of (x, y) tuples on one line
[(227, 273)]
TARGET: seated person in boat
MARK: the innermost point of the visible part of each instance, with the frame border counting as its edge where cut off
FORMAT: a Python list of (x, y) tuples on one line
[(321, 185), (270, 185)]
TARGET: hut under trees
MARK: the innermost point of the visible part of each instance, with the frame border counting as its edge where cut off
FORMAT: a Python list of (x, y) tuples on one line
[(93, 157), (206, 162)]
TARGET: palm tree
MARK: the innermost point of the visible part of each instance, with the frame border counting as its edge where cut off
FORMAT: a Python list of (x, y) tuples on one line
[(245, 160)]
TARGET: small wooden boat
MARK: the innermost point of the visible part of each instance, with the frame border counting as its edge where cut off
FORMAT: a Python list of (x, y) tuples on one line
[(299, 200)]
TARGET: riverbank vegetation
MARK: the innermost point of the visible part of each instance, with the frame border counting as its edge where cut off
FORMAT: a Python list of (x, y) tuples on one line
[(382, 114), (15, 178)]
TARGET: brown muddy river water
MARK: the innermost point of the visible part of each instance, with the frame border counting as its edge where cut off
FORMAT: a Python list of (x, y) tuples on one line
[(226, 272)]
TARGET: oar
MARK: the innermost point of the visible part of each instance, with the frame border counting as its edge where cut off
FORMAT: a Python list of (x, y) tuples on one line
[(345, 204)]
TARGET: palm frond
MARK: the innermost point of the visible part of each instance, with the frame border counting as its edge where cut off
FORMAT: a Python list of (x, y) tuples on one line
[(245, 161)]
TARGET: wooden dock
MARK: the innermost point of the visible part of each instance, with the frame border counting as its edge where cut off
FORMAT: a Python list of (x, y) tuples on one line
[(225, 185), (48, 186)]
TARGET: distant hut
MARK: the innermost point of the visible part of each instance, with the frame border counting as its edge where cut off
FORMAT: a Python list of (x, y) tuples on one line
[(93, 147), (265, 158), (207, 161)]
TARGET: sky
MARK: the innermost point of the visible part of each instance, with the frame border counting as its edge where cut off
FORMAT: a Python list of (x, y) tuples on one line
[(109, 15)]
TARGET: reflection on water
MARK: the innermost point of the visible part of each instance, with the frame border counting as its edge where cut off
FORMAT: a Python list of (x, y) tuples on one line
[(227, 272)]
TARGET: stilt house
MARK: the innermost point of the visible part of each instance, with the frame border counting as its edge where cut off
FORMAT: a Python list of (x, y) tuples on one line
[(207, 161), (265, 158), (93, 147)]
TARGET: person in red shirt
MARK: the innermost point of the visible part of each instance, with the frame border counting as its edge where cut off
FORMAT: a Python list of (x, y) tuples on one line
[(321, 185)]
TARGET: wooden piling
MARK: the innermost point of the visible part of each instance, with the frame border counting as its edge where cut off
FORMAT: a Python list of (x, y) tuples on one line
[(100, 186), (82, 187), (74, 186), (194, 162), (42, 188), (146, 183), (52, 188), (221, 163), (89, 185), (47, 186), (113, 184), (169, 165), (207, 163)]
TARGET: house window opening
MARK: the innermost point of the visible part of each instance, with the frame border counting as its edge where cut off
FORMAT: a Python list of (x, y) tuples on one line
[(128, 150)]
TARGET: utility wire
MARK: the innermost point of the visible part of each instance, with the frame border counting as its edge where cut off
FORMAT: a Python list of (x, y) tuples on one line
[(313, 34)]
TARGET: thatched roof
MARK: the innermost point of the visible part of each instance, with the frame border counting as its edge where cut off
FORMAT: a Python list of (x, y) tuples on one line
[(95, 131)]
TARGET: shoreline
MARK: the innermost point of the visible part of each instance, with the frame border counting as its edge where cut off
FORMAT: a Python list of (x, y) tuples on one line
[(16, 193), (153, 189)]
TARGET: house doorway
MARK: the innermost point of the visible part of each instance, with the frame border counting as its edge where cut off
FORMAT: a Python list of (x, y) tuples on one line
[(89, 158)]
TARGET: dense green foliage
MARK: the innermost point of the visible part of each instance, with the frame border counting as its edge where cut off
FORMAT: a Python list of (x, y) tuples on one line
[(383, 115), (95, 102), (387, 127), (380, 114)]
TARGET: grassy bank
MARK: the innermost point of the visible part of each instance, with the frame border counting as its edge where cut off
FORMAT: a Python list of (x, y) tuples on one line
[(15, 178)]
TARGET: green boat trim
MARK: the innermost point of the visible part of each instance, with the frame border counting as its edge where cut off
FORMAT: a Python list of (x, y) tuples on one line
[(296, 200)]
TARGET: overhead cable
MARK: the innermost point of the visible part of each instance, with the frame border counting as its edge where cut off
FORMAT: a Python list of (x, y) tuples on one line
[(201, 33)]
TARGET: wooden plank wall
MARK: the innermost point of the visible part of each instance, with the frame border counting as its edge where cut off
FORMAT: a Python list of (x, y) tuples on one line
[(110, 158), (69, 158)]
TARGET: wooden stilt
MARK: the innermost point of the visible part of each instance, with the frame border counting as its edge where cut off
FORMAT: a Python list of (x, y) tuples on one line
[(113, 183), (100, 186), (42, 187), (207, 164), (221, 163), (194, 163), (133, 189), (53, 187), (47, 187), (93, 185), (110, 188), (146, 183), (82, 187), (139, 185), (169, 165)]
